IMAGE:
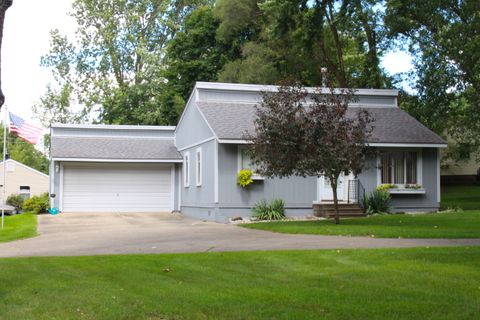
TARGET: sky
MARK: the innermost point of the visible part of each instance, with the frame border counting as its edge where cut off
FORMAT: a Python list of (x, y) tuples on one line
[(27, 37)]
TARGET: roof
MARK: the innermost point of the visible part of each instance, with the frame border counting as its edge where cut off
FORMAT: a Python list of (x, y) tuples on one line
[(121, 148), (230, 121)]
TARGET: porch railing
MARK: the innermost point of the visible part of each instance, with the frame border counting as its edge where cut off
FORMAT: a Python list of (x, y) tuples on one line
[(356, 192)]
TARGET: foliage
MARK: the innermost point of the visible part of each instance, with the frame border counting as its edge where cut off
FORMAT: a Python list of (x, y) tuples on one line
[(37, 204), (281, 39), (444, 39), (274, 210), (244, 178), (23, 152), (16, 201), (321, 139), (114, 69), (451, 225), (378, 202)]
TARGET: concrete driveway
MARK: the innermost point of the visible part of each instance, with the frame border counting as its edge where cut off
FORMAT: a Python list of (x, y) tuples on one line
[(114, 233)]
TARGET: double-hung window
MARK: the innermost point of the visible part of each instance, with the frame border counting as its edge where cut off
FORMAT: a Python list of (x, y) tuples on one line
[(245, 162), (198, 167), (186, 169), (399, 167)]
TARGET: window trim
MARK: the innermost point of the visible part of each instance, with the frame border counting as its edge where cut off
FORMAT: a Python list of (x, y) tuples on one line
[(186, 169), (419, 165), (240, 149), (198, 167)]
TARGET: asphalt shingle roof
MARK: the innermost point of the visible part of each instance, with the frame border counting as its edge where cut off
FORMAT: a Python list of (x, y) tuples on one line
[(231, 121), (114, 148)]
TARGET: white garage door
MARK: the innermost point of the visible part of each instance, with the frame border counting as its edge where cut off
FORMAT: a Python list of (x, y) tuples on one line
[(107, 187)]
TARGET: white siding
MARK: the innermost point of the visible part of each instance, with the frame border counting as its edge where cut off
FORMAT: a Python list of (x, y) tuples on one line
[(117, 188)]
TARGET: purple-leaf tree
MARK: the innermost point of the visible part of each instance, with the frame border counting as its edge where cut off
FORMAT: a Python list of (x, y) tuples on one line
[(310, 134), (4, 5)]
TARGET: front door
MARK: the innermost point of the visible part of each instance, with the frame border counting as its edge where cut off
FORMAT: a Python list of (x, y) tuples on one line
[(326, 193)]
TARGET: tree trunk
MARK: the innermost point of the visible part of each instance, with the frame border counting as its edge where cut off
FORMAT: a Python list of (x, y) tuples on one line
[(4, 5), (333, 183)]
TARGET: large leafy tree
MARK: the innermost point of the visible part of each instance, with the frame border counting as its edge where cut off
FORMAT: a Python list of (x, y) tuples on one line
[(444, 38), (314, 138), (194, 54), (114, 68), (4, 5), (281, 39), (24, 152)]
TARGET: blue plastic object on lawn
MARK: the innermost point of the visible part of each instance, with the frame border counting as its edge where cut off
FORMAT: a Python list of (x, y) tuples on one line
[(54, 211)]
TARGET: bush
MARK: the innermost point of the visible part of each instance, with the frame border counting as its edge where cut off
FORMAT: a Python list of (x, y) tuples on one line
[(378, 202), (16, 201), (274, 210), (36, 204), (244, 177)]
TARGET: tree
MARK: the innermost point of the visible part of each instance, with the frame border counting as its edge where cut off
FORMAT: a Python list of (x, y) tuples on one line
[(4, 5), (283, 38), (310, 134), (115, 69), (24, 152), (194, 54), (444, 38)]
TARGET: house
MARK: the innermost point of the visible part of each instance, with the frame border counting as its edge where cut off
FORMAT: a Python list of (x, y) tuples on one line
[(466, 172), (23, 180), (193, 167)]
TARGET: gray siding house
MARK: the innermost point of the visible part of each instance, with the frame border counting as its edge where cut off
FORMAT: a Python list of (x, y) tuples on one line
[(193, 167)]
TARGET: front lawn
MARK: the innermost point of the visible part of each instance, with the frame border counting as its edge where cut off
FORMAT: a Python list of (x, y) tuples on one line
[(19, 226), (421, 283), (465, 197), (433, 225)]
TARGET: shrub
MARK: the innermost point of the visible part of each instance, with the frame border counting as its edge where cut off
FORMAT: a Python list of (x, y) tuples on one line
[(244, 177), (16, 201), (378, 202), (36, 204), (274, 210)]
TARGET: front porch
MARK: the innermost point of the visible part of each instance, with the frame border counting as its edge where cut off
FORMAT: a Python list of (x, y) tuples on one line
[(350, 204)]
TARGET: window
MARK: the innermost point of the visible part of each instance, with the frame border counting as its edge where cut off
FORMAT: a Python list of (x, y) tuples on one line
[(198, 166), (245, 162), (399, 167), (186, 169), (25, 192)]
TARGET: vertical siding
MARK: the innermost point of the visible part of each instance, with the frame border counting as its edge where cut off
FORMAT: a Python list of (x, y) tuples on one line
[(202, 196), (192, 128), (297, 192), (410, 202), (255, 96)]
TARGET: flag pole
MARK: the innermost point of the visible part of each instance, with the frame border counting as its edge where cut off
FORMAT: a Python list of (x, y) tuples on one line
[(4, 164)]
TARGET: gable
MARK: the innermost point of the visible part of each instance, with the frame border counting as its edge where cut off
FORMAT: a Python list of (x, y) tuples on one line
[(192, 127)]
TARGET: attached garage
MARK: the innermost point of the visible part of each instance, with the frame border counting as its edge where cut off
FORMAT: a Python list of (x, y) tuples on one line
[(108, 168), (114, 187)]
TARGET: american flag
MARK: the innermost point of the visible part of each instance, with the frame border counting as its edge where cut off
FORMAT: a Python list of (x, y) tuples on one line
[(24, 130)]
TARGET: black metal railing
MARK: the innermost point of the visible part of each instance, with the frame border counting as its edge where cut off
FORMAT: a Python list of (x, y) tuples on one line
[(356, 192)]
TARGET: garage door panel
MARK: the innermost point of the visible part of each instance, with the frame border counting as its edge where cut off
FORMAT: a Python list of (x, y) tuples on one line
[(117, 187)]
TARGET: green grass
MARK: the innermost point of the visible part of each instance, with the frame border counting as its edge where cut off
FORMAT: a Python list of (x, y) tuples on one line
[(19, 226), (422, 283), (433, 225), (465, 197)]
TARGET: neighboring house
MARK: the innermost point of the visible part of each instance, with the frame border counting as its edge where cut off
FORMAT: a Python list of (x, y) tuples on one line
[(195, 165), (23, 180), (465, 172)]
